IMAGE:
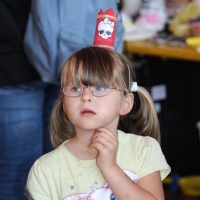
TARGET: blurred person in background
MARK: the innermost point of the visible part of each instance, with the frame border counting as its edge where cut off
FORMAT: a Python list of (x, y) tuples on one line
[(30, 86), (20, 102), (54, 31)]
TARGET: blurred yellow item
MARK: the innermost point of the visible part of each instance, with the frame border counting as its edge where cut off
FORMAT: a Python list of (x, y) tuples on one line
[(182, 31), (193, 41), (191, 10), (167, 180), (190, 185)]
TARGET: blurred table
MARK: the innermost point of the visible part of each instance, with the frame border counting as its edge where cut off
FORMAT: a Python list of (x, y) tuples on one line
[(165, 51)]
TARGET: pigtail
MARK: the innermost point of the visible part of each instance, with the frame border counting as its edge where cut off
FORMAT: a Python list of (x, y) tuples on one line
[(60, 127), (143, 119), (145, 116)]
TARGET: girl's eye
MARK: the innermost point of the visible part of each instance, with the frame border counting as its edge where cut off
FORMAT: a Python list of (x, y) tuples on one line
[(75, 89), (100, 88)]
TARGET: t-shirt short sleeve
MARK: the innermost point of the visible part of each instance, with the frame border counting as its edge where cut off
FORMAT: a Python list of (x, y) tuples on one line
[(141, 154), (150, 158)]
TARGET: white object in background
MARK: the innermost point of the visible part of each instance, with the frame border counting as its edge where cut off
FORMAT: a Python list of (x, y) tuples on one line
[(198, 126), (157, 107), (198, 2), (159, 92), (151, 19), (131, 7), (153, 15), (198, 49)]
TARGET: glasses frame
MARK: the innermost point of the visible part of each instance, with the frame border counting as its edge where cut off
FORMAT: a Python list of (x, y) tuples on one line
[(89, 87)]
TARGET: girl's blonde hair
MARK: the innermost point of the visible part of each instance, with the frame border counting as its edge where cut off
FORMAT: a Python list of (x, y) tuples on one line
[(100, 66)]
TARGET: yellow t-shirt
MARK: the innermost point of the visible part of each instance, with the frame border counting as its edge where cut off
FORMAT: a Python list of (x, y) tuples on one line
[(59, 175)]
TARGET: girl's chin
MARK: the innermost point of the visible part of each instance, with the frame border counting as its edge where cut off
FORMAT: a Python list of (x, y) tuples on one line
[(87, 129)]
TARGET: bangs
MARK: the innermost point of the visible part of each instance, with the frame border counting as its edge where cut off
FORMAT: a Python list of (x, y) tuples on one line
[(93, 66)]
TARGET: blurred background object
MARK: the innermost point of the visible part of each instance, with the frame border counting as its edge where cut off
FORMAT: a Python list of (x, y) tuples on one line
[(175, 6), (184, 24), (143, 19), (167, 62)]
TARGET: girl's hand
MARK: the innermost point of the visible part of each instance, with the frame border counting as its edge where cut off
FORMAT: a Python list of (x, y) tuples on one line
[(106, 143)]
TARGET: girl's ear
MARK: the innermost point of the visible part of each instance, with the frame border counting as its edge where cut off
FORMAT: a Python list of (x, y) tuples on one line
[(127, 104)]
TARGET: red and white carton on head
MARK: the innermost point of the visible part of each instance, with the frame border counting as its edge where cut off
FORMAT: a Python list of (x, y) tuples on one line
[(105, 29)]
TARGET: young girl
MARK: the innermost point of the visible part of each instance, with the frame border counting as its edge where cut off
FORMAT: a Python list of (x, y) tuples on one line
[(93, 160)]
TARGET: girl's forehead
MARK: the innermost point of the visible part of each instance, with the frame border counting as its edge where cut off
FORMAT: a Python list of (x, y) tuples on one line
[(89, 75)]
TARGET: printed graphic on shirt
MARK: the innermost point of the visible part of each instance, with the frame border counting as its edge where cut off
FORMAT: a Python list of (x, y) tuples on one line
[(104, 192)]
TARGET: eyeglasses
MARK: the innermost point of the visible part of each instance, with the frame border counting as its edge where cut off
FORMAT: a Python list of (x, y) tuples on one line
[(98, 91)]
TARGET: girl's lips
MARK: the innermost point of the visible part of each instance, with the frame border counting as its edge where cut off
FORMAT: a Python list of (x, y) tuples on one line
[(87, 112)]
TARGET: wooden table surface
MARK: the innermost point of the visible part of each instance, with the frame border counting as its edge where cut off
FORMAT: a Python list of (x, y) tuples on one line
[(165, 51)]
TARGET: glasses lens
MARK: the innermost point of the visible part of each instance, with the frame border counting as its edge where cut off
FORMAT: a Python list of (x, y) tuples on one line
[(72, 91), (99, 91)]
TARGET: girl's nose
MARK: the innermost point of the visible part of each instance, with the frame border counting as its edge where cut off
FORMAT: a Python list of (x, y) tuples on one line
[(86, 95)]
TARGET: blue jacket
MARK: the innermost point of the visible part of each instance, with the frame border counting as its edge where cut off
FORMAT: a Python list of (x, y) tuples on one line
[(57, 28)]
